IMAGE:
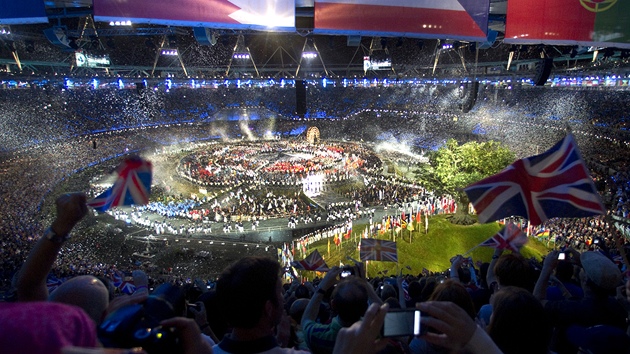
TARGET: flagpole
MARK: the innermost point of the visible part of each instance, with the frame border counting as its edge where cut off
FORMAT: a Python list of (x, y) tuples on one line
[(470, 250)]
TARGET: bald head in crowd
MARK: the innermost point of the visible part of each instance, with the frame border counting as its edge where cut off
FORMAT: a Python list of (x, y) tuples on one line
[(86, 292)]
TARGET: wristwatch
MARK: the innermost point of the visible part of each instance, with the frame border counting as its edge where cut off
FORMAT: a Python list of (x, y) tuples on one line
[(51, 235)]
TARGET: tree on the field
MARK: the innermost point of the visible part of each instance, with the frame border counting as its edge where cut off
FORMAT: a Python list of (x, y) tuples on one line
[(452, 167)]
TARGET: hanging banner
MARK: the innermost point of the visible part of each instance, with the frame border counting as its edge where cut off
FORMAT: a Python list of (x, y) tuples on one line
[(269, 15), (444, 19), (603, 23), (22, 12)]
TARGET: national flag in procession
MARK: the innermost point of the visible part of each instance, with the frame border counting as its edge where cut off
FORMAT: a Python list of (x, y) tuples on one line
[(313, 261), (132, 187), (510, 237), (555, 183), (378, 250), (543, 233)]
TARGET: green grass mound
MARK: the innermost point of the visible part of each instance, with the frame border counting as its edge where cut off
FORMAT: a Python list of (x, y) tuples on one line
[(417, 250)]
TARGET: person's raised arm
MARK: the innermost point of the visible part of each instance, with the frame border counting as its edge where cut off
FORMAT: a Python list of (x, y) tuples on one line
[(401, 291), (31, 283), (456, 263), (312, 309), (362, 273), (491, 277), (540, 290)]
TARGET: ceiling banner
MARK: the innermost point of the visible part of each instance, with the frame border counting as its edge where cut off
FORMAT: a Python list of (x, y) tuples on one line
[(271, 15), (604, 23), (22, 12), (443, 19)]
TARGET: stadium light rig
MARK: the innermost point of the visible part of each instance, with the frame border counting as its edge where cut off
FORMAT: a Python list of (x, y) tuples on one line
[(309, 55), (171, 52), (241, 55), (120, 23)]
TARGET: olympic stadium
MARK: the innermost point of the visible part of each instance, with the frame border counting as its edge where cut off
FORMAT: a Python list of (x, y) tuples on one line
[(257, 147)]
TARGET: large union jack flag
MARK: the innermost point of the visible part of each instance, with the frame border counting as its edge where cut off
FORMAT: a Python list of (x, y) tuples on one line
[(132, 186), (378, 250), (510, 237), (313, 261), (555, 183)]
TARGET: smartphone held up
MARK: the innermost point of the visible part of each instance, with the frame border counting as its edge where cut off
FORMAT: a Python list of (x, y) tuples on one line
[(402, 323)]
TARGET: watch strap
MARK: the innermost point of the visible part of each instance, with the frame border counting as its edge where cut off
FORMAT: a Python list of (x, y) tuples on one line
[(51, 235)]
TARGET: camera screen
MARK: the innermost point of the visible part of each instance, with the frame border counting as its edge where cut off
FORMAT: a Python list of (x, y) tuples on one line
[(401, 323), (345, 273), (561, 256)]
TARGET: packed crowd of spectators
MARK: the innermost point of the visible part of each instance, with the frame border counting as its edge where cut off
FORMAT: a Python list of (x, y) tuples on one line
[(511, 305), (47, 141)]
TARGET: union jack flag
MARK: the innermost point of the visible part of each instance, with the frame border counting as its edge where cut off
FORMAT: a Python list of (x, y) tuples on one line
[(52, 283), (555, 183), (378, 250), (132, 186), (510, 237), (313, 261)]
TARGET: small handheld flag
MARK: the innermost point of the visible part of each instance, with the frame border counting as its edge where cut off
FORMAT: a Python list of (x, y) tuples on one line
[(313, 261), (132, 186), (509, 237)]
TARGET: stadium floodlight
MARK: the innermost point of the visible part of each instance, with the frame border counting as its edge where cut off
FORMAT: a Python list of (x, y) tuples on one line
[(309, 55), (171, 52), (120, 23), (241, 55)]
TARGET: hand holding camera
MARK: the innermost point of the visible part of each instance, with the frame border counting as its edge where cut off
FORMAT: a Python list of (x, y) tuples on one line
[(140, 324)]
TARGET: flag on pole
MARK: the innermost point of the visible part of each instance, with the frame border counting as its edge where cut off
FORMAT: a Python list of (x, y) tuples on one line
[(132, 186), (378, 250), (329, 246), (510, 237), (555, 183), (313, 261), (347, 235)]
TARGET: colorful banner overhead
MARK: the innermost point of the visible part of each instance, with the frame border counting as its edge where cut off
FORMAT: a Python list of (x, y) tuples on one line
[(602, 23), (443, 19), (270, 15), (22, 12)]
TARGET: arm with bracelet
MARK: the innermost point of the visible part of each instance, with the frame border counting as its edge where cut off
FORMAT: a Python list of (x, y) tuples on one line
[(31, 283)]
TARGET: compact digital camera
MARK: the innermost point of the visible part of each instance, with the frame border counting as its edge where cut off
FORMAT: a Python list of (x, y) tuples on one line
[(138, 325)]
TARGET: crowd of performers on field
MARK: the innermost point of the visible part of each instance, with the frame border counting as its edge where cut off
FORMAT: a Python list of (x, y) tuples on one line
[(255, 189)]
